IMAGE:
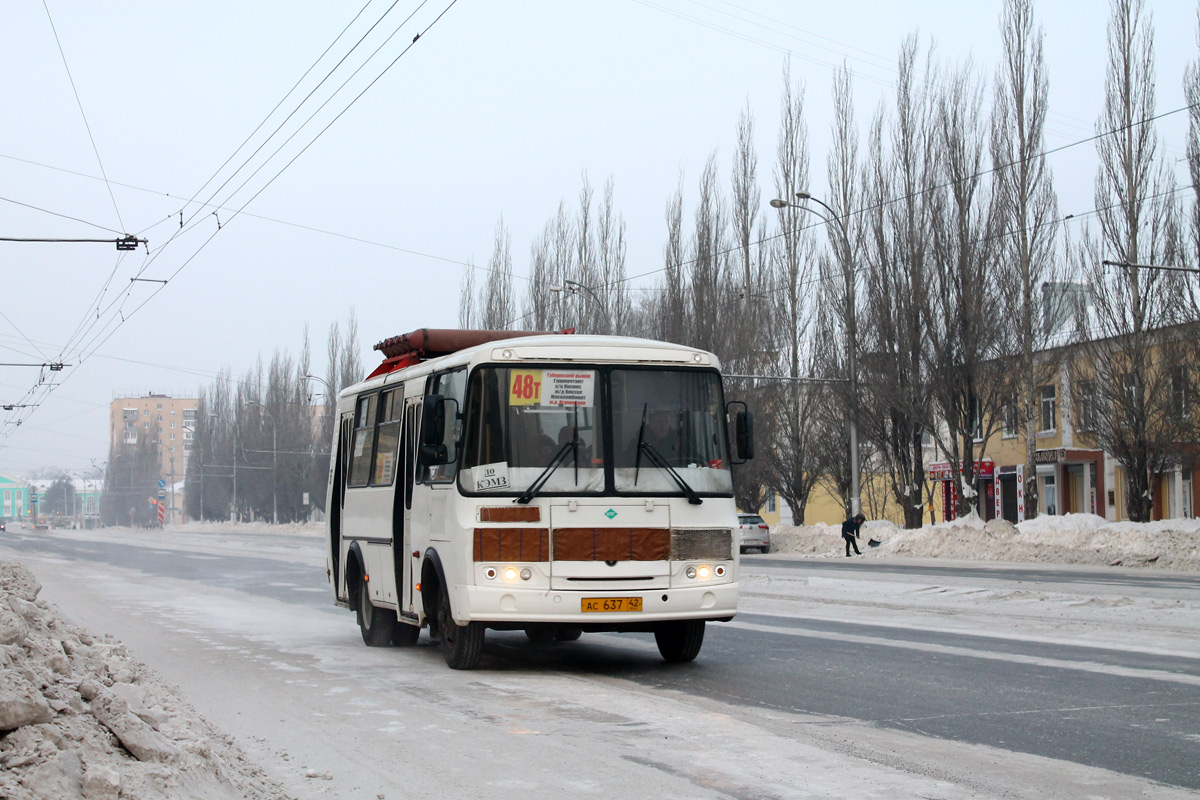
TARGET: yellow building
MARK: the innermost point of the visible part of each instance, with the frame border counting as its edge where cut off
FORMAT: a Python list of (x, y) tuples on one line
[(1073, 474)]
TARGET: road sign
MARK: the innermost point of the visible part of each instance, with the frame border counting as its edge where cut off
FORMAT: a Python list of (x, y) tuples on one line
[(162, 484)]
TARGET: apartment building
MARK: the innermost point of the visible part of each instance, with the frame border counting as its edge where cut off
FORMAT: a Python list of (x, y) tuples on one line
[(167, 421)]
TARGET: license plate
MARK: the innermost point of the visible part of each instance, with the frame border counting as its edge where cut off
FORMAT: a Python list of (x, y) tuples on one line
[(611, 604)]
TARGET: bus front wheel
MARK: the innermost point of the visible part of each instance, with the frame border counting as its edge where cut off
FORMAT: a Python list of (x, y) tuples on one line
[(462, 646), (680, 641)]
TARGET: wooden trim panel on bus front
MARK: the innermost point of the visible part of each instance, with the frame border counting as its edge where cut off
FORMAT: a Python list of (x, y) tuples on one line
[(612, 544), (512, 544)]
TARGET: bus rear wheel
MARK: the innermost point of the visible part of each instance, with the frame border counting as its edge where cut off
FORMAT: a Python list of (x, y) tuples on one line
[(378, 625), (462, 646), (680, 641)]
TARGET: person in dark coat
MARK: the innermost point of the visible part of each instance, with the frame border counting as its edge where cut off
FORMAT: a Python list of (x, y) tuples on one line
[(850, 533)]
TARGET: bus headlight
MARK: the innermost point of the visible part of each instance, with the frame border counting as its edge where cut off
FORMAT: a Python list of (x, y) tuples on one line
[(704, 573), (510, 573), (526, 574)]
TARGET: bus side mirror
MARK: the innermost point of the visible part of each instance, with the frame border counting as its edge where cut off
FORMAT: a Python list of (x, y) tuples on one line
[(433, 432), (743, 432)]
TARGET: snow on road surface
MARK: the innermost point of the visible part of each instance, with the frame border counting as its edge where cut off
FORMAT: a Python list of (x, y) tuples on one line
[(300, 696)]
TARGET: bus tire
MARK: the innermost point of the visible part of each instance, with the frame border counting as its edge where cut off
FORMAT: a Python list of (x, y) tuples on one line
[(680, 641), (377, 624), (540, 634), (568, 634), (405, 635), (462, 645)]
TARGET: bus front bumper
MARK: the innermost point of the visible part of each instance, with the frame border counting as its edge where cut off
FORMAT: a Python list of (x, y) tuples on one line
[(511, 605)]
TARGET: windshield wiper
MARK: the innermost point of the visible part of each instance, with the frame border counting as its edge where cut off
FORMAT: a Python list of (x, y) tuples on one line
[(637, 457), (555, 463), (658, 460)]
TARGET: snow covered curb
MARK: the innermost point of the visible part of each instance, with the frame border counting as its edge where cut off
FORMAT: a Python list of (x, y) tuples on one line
[(1068, 539), (79, 718)]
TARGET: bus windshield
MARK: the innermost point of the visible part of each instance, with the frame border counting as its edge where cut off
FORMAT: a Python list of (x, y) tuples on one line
[(548, 428)]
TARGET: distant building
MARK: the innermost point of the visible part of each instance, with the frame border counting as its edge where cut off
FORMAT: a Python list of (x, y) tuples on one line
[(14, 497), (166, 421)]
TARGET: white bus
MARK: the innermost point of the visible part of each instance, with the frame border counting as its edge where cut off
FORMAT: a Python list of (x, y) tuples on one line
[(555, 484)]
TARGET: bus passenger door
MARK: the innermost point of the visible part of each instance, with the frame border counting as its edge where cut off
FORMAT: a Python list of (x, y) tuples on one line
[(337, 498), (404, 541)]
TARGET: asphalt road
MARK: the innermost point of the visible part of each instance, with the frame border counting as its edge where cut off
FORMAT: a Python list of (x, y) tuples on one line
[(1136, 713)]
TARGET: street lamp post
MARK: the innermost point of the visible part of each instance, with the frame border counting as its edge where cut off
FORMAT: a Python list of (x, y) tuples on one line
[(833, 220), (274, 462), (321, 380), (575, 287)]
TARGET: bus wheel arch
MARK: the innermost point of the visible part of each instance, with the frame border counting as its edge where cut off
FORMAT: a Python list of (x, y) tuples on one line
[(432, 577), (378, 625), (353, 574)]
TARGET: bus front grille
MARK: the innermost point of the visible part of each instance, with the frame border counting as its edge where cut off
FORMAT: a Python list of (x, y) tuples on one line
[(701, 544)]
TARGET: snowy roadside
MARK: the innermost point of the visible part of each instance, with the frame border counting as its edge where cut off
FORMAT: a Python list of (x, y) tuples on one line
[(80, 718), (1068, 539)]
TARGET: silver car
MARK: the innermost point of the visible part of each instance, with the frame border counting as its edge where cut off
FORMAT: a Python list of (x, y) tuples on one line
[(755, 534)]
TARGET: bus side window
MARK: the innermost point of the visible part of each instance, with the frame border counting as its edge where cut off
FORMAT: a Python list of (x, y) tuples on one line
[(453, 387), (363, 448), (388, 439)]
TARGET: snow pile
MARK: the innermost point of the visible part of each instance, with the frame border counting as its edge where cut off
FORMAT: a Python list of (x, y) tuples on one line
[(1067, 539), (79, 718)]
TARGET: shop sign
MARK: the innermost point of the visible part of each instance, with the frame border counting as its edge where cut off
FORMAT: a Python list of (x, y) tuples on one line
[(940, 470), (1056, 456)]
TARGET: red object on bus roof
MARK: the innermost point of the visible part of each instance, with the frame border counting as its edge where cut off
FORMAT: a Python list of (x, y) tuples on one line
[(425, 343)]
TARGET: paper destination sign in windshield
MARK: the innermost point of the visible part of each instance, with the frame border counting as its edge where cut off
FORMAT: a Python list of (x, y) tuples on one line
[(552, 388), (569, 388)]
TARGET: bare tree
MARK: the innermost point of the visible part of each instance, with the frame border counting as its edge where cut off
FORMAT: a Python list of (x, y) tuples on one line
[(896, 409), (792, 404), (1191, 90), (963, 349), (497, 309), (611, 286), (1029, 212), (1131, 353), (709, 323), (744, 205), (667, 316), (466, 299), (551, 263)]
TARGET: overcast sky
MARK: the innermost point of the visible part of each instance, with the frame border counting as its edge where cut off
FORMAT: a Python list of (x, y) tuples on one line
[(499, 109)]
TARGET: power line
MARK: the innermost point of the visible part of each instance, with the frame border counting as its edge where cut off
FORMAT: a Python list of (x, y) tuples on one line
[(79, 103), (291, 114), (96, 341), (323, 231), (62, 216), (84, 326)]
